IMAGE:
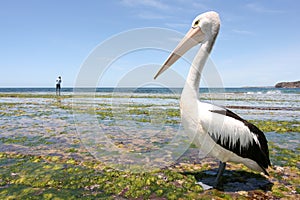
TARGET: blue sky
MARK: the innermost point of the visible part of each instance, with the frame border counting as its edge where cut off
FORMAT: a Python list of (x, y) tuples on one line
[(258, 44)]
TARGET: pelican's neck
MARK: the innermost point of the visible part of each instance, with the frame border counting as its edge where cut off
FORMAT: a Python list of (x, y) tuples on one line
[(193, 79)]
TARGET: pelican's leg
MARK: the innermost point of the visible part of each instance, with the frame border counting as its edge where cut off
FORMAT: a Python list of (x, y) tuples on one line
[(222, 166)]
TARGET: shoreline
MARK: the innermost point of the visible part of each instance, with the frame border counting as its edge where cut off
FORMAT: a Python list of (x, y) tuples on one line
[(43, 155)]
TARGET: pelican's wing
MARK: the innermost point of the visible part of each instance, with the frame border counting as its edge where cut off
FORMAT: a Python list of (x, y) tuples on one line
[(237, 135)]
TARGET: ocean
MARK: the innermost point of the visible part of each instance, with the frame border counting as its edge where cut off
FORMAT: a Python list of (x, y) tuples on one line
[(106, 134), (145, 121), (150, 90)]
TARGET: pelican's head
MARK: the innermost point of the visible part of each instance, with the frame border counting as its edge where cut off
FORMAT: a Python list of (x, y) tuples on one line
[(205, 27)]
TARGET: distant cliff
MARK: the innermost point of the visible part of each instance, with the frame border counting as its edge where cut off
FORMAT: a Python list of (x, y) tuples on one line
[(295, 84)]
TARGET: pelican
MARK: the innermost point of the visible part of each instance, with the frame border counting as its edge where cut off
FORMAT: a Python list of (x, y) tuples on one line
[(215, 130)]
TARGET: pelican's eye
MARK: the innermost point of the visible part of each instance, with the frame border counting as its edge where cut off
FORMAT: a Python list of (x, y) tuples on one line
[(196, 23)]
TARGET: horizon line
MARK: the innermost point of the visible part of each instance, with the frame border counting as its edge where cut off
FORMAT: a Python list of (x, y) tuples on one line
[(69, 87)]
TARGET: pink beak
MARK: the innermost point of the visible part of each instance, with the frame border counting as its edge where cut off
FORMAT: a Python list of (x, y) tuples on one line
[(193, 37)]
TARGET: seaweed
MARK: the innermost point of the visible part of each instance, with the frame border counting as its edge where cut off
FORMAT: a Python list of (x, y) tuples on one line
[(43, 157)]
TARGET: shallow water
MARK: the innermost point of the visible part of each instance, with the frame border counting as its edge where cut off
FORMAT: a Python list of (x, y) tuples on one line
[(138, 122)]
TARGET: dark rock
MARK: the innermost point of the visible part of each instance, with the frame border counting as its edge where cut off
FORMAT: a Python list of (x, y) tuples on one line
[(295, 84)]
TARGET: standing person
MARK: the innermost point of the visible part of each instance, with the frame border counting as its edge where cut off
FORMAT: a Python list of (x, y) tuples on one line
[(58, 82)]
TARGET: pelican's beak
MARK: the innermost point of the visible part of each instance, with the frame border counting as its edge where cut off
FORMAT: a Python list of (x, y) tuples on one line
[(193, 37)]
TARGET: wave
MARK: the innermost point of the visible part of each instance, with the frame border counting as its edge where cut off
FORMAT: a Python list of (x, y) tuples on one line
[(150, 90), (265, 92), (274, 92)]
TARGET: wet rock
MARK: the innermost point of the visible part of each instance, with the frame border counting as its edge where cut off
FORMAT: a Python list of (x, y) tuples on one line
[(295, 84)]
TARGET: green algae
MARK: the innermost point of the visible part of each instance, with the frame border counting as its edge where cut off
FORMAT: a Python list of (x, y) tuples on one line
[(67, 177), (35, 177), (265, 125), (25, 140), (284, 157), (207, 96), (277, 126), (25, 176), (106, 112), (28, 95)]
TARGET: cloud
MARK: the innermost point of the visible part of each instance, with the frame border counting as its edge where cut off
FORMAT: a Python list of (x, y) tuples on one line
[(148, 9), (192, 4), (260, 9), (148, 3), (243, 32), (177, 25), (197, 5), (150, 15)]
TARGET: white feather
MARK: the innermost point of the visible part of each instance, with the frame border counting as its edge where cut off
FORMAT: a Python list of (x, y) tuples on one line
[(225, 128), (198, 120)]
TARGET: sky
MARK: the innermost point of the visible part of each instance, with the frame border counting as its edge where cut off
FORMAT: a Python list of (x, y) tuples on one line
[(258, 43)]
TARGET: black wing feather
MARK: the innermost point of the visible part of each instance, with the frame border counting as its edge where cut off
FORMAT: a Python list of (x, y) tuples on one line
[(258, 153)]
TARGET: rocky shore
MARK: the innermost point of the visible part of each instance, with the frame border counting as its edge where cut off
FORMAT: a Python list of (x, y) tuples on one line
[(295, 84)]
